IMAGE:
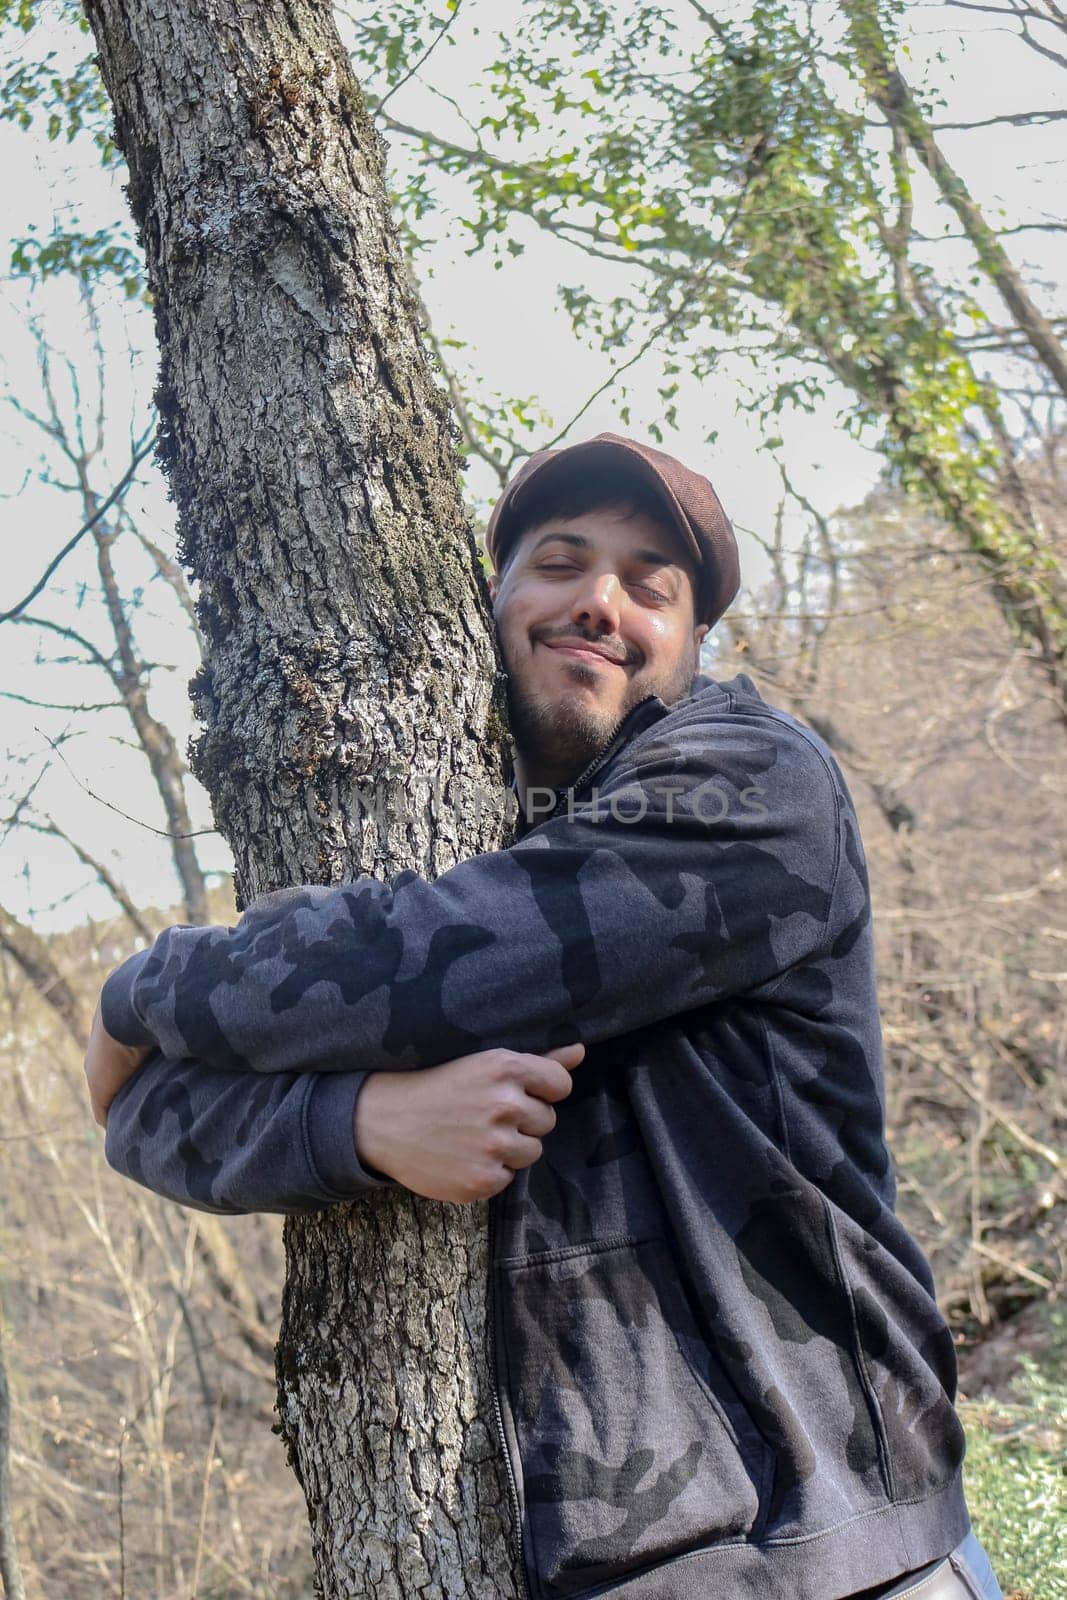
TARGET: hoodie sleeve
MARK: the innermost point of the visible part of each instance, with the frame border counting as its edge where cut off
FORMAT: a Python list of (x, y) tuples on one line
[(705, 867), (221, 1141)]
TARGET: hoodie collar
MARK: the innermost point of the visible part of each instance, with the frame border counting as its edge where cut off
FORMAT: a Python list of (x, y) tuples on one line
[(636, 720)]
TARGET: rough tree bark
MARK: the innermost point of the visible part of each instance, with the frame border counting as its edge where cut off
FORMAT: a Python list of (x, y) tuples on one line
[(310, 455)]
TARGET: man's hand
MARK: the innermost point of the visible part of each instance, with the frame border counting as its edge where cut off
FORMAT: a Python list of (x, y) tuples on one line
[(462, 1130), (108, 1065)]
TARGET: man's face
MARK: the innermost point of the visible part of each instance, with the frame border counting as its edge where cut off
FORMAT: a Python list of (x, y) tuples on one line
[(594, 613)]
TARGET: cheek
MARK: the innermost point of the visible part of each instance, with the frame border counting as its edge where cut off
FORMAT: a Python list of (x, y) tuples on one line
[(518, 609), (512, 626), (663, 638)]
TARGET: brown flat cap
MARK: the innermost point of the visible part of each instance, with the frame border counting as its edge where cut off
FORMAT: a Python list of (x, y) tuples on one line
[(689, 500)]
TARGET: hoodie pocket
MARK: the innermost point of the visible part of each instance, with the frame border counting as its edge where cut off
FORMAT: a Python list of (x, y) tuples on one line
[(631, 1452)]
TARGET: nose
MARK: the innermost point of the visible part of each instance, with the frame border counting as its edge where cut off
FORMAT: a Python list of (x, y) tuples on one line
[(597, 604)]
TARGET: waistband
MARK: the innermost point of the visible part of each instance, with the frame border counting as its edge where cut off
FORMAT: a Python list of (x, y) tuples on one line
[(964, 1574), (872, 1548)]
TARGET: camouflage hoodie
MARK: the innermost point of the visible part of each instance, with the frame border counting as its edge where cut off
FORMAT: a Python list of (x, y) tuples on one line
[(720, 1366)]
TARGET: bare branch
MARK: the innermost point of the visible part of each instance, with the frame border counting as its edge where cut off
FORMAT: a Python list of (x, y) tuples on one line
[(171, 574), (421, 62), (95, 657), (144, 446), (1018, 119), (103, 873), (58, 705), (34, 957), (162, 833)]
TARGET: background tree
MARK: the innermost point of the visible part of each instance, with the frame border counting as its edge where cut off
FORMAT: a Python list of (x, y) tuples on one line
[(760, 191), (10, 1568), (73, 430), (878, 638)]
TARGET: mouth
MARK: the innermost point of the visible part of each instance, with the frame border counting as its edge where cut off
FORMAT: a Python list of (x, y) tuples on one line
[(580, 651)]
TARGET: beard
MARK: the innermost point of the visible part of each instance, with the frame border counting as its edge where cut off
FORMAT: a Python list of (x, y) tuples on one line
[(558, 737)]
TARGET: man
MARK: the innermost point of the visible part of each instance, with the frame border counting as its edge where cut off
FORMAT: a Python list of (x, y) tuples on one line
[(723, 1371)]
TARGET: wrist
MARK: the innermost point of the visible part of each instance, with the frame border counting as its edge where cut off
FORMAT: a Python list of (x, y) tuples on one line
[(370, 1125)]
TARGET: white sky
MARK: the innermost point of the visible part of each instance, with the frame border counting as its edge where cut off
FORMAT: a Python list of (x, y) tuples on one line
[(521, 344)]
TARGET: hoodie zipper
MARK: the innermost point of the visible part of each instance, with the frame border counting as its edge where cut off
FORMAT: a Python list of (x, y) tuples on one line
[(513, 1487), (606, 752), (579, 783)]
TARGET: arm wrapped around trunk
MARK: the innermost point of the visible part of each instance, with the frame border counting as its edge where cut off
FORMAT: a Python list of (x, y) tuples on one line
[(695, 873), (222, 1141)]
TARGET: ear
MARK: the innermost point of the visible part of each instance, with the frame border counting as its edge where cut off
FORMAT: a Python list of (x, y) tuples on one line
[(493, 581), (701, 633)]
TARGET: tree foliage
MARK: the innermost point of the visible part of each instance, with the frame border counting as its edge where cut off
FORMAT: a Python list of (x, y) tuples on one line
[(758, 175), (58, 88), (749, 171)]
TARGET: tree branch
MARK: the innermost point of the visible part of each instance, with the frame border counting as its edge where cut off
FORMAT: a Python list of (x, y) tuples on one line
[(106, 877), (421, 62), (142, 449), (1019, 119), (32, 954)]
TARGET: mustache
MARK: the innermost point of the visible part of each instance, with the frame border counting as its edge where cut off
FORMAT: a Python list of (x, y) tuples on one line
[(616, 650)]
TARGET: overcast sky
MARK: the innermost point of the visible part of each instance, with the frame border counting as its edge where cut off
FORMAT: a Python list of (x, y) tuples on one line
[(520, 344)]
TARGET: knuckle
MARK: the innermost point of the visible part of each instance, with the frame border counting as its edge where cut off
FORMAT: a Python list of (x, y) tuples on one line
[(507, 1103), (533, 1154), (511, 1066), (558, 1085), (496, 1069), (489, 1182)]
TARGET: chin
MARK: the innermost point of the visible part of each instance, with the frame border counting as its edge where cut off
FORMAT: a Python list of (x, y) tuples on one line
[(565, 726), (585, 696)]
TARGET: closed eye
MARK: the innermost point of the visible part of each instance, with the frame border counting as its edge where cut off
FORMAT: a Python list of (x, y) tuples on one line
[(569, 567)]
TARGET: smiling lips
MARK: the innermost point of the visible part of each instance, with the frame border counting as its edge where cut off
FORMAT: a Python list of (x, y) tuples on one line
[(582, 650)]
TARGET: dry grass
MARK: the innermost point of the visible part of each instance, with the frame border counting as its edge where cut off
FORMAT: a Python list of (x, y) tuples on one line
[(142, 1402)]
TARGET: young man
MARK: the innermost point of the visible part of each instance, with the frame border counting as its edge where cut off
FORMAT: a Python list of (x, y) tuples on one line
[(724, 1371)]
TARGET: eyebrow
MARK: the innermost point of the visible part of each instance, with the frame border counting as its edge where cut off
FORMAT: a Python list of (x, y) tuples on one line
[(650, 557)]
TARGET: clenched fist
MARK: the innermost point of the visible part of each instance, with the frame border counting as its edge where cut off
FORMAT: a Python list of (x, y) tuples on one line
[(461, 1131), (108, 1065)]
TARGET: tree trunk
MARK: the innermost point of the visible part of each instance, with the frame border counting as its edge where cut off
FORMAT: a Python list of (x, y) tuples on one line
[(33, 955), (156, 739), (349, 651)]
